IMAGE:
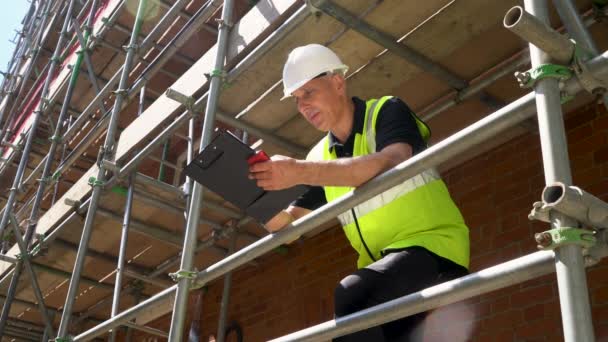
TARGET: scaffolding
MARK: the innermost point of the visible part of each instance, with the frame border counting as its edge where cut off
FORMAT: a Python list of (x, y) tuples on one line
[(76, 169)]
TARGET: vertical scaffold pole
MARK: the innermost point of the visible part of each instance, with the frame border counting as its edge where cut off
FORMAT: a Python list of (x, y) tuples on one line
[(30, 270), (124, 237), (122, 254), (221, 329), (184, 280), (26, 151), (34, 57), (572, 284), (37, 114), (106, 153), (44, 179)]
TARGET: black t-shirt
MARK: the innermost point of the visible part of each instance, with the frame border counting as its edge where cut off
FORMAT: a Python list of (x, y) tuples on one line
[(394, 124)]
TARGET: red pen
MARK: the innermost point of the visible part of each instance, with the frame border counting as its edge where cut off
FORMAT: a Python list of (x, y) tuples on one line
[(258, 157)]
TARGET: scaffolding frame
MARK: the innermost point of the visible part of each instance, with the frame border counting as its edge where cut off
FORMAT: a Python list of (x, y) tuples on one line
[(566, 260)]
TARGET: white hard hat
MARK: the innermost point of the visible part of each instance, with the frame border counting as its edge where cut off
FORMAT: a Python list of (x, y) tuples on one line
[(307, 62)]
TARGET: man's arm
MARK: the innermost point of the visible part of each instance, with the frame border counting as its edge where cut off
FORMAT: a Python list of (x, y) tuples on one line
[(285, 217), (283, 172)]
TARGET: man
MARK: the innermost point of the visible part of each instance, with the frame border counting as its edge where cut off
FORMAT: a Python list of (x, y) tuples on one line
[(409, 237)]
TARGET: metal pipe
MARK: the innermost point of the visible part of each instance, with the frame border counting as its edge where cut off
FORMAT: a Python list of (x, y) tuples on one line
[(390, 43), (25, 325), (503, 69), (163, 56), (17, 184), (163, 160), (21, 335), (191, 27), (178, 56), (574, 25), (30, 67), (64, 274), (577, 29), (221, 330), (183, 286), (571, 278), (122, 254), (507, 67), (120, 51), (33, 279), (155, 232), (41, 40), (536, 32), (576, 203), (505, 118), (147, 279), (56, 138), (107, 152), (490, 279), (262, 49), (125, 316), (108, 258), (37, 114), (83, 39), (147, 329)]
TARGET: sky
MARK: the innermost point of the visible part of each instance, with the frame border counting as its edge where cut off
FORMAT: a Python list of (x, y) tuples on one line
[(11, 15)]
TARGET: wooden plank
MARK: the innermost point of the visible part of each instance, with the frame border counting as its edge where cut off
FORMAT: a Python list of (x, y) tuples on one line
[(436, 38), (254, 23), (354, 49)]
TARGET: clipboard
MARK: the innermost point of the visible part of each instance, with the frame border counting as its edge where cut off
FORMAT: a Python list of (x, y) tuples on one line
[(222, 168)]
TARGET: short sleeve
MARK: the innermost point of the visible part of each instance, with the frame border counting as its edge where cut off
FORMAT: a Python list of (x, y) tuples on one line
[(396, 124), (313, 199)]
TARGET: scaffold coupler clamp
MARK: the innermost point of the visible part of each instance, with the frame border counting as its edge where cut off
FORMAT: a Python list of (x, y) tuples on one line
[(558, 237), (314, 10), (128, 47), (94, 182), (40, 247), (588, 81), (222, 23), (185, 274), (528, 79)]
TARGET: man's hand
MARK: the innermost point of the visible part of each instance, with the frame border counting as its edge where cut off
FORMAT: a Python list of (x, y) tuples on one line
[(280, 172)]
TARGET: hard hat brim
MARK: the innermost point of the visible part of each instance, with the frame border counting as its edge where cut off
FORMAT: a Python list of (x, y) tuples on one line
[(287, 93)]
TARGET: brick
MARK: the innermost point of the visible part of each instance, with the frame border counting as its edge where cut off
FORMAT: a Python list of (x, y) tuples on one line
[(601, 155), (501, 304), (534, 312), (600, 295), (537, 329), (503, 320), (601, 124), (530, 296), (580, 132), (578, 118), (495, 192)]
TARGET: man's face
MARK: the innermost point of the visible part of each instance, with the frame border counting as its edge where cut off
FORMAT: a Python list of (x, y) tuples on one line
[(318, 101)]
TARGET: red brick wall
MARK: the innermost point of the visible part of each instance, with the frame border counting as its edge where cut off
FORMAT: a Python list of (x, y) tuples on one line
[(495, 192)]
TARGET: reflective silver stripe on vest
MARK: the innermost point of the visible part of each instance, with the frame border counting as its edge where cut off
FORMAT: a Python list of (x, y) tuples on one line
[(389, 195), (370, 137)]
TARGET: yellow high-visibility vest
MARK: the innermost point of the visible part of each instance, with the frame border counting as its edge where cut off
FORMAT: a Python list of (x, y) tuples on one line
[(418, 212)]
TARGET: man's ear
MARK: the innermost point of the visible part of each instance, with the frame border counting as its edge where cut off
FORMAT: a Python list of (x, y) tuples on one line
[(340, 82)]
